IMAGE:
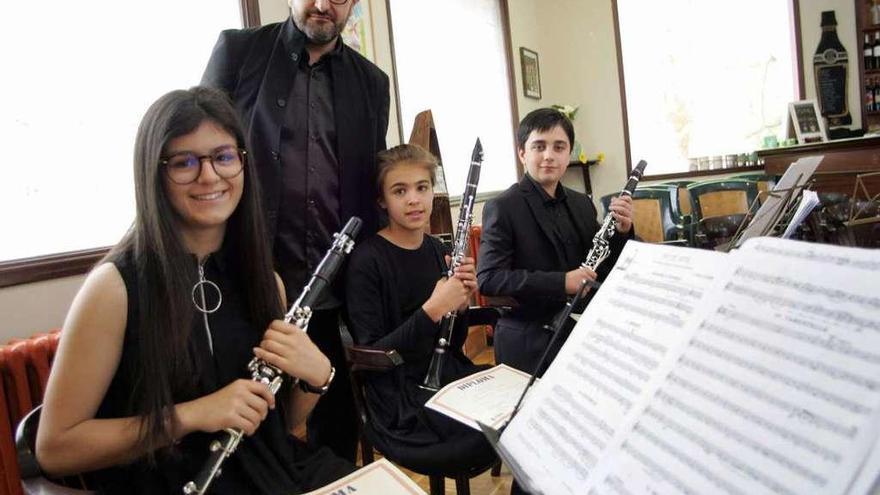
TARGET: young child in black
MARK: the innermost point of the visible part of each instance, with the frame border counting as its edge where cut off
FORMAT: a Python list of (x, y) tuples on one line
[(397, 294)]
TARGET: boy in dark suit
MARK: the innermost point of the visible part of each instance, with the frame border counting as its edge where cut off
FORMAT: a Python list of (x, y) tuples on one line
[(535, 236)]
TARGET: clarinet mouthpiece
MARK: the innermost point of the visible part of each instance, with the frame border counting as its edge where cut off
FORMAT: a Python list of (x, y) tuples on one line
[(477, 154), (352, 227), (639, 170)]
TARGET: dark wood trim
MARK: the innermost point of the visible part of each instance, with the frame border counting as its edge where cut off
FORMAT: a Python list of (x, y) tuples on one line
[(585, 171), (870, 142), (28, 270), (511, 79), (394, 69), (250, 13), (702, 173), (622, 83), (794, 10)]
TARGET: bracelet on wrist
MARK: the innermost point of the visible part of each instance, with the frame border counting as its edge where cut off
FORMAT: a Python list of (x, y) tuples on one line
[(307, 387)]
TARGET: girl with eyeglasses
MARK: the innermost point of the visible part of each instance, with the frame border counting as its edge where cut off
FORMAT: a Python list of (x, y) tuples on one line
[(152, 362)]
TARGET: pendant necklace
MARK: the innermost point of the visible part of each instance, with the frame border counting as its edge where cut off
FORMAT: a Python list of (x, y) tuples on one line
[(201, 302)]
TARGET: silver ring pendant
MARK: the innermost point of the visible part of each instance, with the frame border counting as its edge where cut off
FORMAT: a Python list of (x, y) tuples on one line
[(200, 285)]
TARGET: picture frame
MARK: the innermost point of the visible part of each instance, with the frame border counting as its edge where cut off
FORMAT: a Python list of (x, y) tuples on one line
[(807, 121), (357, 32), (531, 73)]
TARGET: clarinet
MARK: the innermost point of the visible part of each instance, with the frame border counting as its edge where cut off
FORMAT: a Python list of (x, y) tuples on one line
[(465, 218), (600, 251), (261, 371)]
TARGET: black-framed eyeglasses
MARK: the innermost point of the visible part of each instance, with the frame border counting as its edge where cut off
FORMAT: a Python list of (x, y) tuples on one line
[(185, 168), (338, 2)]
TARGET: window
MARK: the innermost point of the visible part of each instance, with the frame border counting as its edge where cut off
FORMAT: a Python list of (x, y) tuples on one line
[(461, 75), (75, 87), (704, 78)]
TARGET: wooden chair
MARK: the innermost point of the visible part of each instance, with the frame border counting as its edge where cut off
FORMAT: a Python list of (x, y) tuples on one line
[(656, 216), (684, 198), (764, 182), (363, 360), (718, 207), (480, 299), (606, 202)]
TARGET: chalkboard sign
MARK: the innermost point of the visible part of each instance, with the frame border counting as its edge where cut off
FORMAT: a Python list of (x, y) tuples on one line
[(809, 126), (831, 87)]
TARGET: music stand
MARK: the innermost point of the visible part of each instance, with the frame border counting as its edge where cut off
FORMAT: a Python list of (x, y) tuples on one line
[(875, 199)]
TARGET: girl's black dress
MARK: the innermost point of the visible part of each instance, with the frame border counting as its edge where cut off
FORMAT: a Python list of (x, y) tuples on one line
[(386, 286), (270, 462)]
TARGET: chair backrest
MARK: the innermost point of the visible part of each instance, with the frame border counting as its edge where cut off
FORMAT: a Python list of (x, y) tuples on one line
[(655, 213), (475, 235), (684, 198), (362, 359), (764, 182), (721, 197), (606, 201), (24, 371)]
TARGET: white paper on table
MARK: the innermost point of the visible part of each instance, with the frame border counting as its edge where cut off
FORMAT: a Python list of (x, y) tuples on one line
[(778, 390), (487, 396), (602, 376), (797, 174), (377, 478), (809, 200)]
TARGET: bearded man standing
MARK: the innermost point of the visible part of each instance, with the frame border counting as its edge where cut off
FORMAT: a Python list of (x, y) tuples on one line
[(316, 114)]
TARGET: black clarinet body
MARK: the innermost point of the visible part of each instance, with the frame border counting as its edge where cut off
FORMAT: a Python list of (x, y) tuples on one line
[(462, 235), (601, 248), (299, 314)]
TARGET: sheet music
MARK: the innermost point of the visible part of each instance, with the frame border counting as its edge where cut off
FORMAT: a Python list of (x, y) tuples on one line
[(868, 481), (377, 478), (797, 174), (602, 376), (779, 389), (809, 200)]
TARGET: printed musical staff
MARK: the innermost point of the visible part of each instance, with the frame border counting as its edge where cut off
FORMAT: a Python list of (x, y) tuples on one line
[(751, 372)]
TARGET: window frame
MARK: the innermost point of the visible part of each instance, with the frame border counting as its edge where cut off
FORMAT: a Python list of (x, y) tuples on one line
[(57, 265), (504, 12), (794, 19)]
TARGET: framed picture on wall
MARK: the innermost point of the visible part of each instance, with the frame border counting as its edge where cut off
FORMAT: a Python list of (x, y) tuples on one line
[(531, 73), (809, 126)]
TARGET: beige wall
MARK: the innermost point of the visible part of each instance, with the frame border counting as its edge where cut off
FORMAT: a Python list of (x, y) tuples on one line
[(578, 63), (30, 308)]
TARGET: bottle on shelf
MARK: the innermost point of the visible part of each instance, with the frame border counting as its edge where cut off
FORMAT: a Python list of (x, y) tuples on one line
[(830, 63), (876, 91), (871, 103), (876, 50), (868, 50), (875, 13)]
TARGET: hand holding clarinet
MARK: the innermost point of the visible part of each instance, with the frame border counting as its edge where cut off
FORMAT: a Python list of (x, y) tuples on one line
[(285, 350)]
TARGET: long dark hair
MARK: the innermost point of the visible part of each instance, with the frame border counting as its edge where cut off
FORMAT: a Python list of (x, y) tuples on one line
[(164, 367)]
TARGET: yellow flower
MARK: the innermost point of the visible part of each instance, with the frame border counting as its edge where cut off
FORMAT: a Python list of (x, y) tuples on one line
[(568, 110)]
